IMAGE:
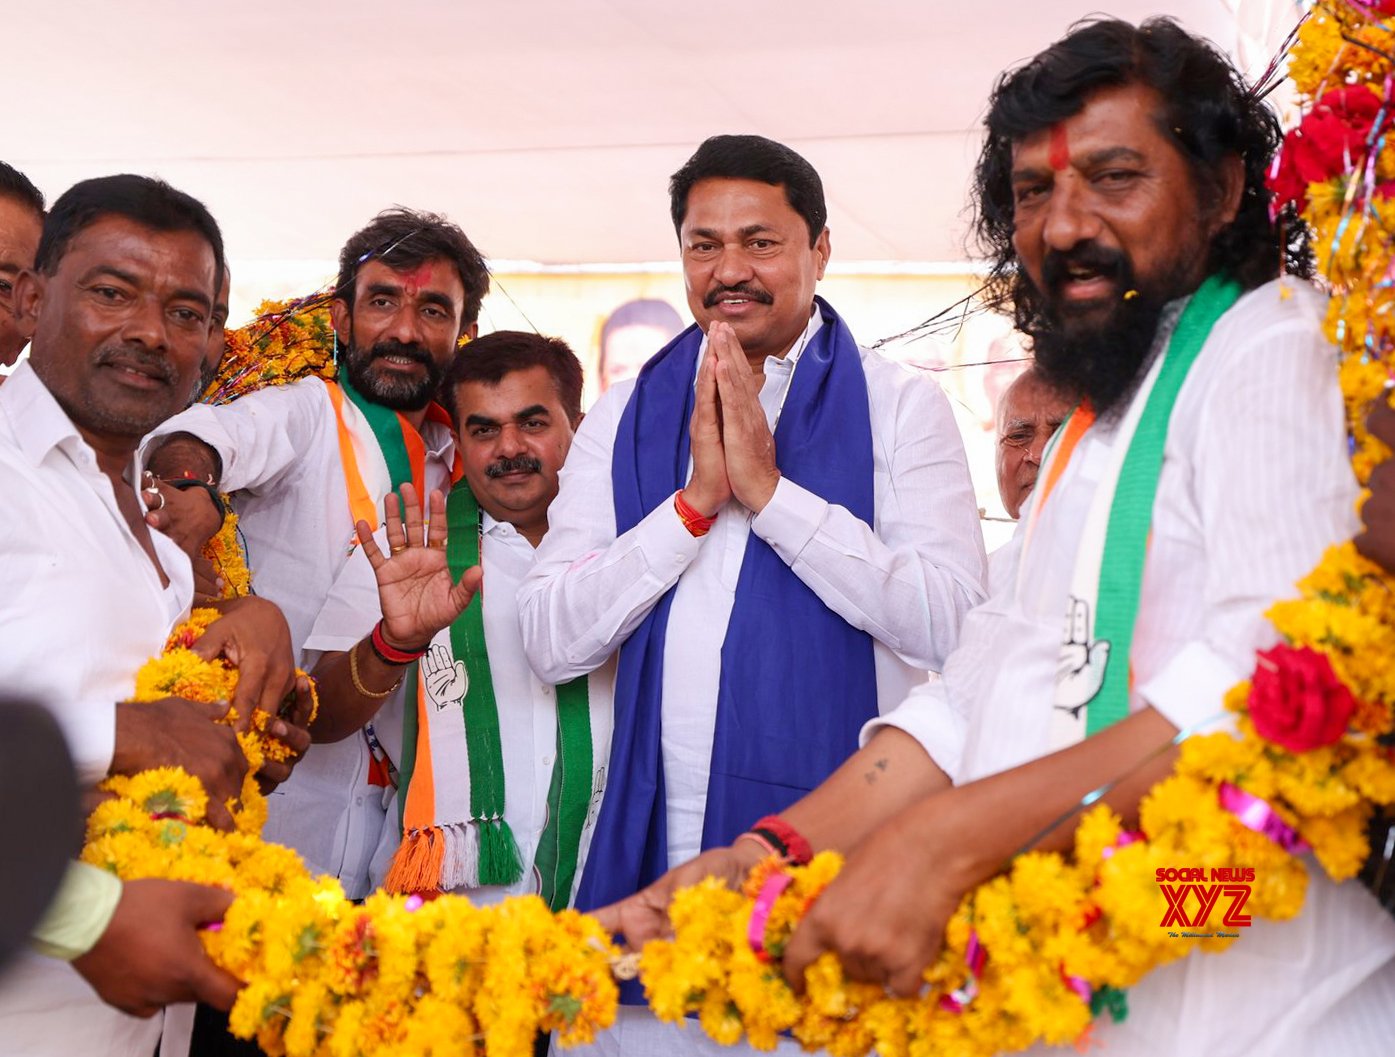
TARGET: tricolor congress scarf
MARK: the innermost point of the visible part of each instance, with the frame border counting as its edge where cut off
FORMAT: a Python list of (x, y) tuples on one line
[(797, 681), (1093, 678), (451, 792), (451, 781)]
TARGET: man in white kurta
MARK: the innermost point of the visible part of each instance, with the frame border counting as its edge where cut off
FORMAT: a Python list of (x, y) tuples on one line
[(1258, 423), (515, 398), (906, 579), (119, 304), (527, 704), (410, 286), (107, 613)]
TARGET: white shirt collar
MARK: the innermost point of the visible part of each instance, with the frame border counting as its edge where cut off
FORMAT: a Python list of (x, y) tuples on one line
[(780, 364), (502, 530), (38, 422)]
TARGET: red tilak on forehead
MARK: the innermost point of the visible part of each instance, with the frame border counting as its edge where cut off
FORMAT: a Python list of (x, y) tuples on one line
[(1060, 148), (416, 278)]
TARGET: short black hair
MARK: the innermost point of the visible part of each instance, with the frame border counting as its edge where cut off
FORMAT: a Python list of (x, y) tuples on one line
[(144, 199), (490, 358), (1209, 114), (14, 184), (405, 238), (752, 158)]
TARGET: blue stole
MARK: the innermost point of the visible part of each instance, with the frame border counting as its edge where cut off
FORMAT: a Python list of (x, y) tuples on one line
[(797, 681)]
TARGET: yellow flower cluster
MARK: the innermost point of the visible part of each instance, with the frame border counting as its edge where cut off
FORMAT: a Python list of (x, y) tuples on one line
[(287, 340), (1052, 927), (1322, 59), (327, 977), (229, 561)]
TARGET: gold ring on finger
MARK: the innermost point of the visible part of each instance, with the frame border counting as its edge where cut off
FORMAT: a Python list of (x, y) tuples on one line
[(436, 545), (397, 549)]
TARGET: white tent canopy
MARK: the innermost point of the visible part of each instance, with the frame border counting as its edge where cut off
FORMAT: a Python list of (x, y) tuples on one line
[(546, 128)]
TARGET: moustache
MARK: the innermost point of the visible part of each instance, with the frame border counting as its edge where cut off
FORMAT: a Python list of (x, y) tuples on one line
[(392, 347), (1089, 256), (143, 360), (751, 293), (525, 463)]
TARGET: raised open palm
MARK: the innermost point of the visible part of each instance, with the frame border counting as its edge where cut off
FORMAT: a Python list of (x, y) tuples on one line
[(415, 589)]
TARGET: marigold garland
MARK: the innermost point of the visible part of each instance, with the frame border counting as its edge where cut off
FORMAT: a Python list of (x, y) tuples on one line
[(284, 342), (325, 976), (1035, 954), (225, 553)]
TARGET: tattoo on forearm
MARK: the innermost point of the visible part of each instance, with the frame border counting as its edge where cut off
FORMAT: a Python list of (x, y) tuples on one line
[(880, 765)]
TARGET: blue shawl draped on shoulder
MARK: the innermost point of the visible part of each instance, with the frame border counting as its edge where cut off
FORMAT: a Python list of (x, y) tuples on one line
[(797, 681)]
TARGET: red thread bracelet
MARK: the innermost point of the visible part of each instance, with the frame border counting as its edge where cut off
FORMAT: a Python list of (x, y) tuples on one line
[(696, 523), (787, 840), (390, 654)]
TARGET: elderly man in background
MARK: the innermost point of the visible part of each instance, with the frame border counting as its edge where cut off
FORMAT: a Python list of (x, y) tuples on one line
[(1031, 410)]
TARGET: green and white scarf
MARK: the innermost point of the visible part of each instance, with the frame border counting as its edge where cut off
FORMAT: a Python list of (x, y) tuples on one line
[(1094, 678), (451, 791)]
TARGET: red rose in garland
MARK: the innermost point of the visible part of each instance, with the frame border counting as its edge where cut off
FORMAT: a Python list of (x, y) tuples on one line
[(1329, 140), (1296, 700)]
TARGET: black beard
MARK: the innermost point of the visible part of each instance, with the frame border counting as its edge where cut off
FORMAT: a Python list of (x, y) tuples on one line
[(1103, 359), (399, 394)]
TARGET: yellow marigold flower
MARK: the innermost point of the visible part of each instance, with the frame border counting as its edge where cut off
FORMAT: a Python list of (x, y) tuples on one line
[(118, 815), (224, 552), (346, 1033), (720, 1018), (1098, 829), (183, 673), (257, 1006), (1372, 772), (1339, 842), (1046, 890)]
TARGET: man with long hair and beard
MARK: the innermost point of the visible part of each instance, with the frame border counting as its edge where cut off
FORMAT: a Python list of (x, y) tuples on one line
[(303, 462), (1121, 198)]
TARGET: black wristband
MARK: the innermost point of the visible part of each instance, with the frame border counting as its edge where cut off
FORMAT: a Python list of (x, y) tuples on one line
[(773, 839), (183, 483)]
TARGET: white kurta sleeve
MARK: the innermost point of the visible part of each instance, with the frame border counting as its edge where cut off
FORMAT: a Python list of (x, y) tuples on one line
[(1283, 492), (352, 606), (927, 716), (259, 437), (909, 579), (588, 590)]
